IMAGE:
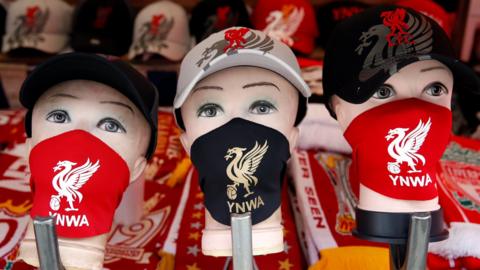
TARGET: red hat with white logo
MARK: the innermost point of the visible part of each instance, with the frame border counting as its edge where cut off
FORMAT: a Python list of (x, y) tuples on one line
[(161, 28), (291, 21), (38, 24)]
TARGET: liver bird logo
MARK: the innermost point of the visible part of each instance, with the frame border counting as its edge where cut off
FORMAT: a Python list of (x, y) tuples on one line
[(242, 168), (282, 24), (404, 146), (69, 180)]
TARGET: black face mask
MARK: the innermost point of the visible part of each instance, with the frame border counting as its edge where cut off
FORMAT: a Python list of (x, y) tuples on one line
[(241, 167)]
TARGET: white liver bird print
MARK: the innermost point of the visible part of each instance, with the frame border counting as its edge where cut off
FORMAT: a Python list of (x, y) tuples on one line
[(282, 24), (69, 180), (404, 147), (242, 168)]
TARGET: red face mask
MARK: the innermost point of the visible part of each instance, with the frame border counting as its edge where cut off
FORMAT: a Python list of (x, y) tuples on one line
[(396, 148), (80, 180)]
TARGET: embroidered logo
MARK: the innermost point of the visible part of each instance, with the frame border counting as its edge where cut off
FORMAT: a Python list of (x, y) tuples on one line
[(242, 168), (69, 180), (404, 147), (222, 19), (28, 27), (154, 33), (400, 35), (395, 20), (235, 39), (282, 24)]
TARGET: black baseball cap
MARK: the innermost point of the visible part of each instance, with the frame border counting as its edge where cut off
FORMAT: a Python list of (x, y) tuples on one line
[(102, 26), (211, 16), (329, 15), (369, 47), (83, 66)]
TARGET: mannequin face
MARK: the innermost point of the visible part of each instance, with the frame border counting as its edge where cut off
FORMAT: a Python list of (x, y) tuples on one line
[(251, 93), (429, 80), (97, 109)]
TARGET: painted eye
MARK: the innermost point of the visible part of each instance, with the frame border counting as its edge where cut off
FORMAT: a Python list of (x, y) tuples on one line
[(383, 92), (58, 116), (436, 89), (209, 110), (262, 107), (111, 125)]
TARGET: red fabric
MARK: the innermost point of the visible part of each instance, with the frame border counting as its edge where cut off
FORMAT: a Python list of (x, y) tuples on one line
[(396, 149), (133, 247), (12, 129), (169, 151), (189, 254), (80, 180), (309, 62), (303, 38), (323, 199), (431, 9), (436, 262), (459, 181)]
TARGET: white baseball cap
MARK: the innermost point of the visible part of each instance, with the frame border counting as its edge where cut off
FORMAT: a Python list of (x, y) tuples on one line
[(237, 46), (161, 28), (38, 24)]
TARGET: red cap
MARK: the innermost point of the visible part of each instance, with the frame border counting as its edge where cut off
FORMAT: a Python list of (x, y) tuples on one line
[(432, 10), (291, 21)]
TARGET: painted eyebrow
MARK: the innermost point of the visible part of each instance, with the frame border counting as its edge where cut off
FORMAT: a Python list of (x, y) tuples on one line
[(64, 95), (432, 68), (207, 87), (260, 84), (119, 104)]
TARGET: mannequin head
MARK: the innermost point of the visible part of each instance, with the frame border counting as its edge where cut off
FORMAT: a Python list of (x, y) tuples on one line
[(428, 80), (111, 117), (389, 74), (90, 120), (255, 94)]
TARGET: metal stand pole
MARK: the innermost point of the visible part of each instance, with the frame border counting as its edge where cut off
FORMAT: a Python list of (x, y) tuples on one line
[(242, 253), (47, 243), (413, 255)]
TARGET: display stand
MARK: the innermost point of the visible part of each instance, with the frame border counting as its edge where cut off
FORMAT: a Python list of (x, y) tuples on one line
[(407, 233), (242, 253), (47, 243)]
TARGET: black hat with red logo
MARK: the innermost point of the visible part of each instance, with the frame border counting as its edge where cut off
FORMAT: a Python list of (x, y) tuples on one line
[(369, 47), (209, 17), (102, 26)]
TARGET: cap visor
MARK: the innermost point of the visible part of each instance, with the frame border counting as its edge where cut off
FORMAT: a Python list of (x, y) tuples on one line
[(464, 77), (246, 57), (79, 67)]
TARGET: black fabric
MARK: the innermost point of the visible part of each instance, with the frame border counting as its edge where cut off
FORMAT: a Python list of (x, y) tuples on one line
[(245, 151), (102, 26), (82, 66), (3, 20), (211, 16), (359, 58), (329, 15), (3, 98), (166, 83)]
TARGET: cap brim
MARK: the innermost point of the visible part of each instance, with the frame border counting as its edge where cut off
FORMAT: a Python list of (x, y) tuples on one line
[(464, 77), (48, 43), (245, 57), (173, 51), (74, 66)]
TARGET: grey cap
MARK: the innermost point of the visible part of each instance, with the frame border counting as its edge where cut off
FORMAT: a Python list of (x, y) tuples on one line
[(237, 46)]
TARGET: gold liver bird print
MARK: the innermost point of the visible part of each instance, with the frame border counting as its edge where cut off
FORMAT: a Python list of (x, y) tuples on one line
[(242, 168)]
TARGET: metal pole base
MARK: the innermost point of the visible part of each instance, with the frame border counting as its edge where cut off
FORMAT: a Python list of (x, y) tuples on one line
[(241, 225)]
